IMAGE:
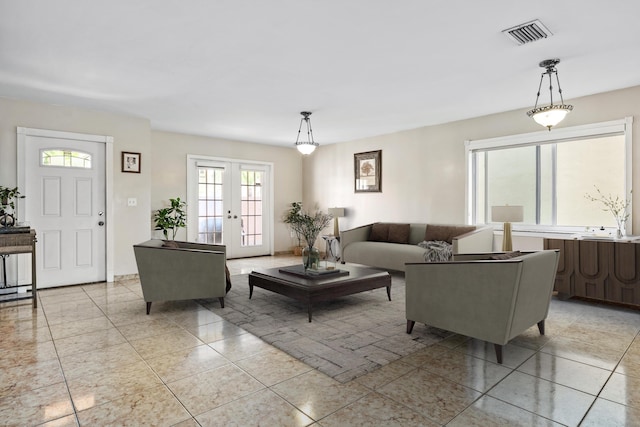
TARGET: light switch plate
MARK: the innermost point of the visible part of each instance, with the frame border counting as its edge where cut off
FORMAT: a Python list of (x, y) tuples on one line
[(132, 201)]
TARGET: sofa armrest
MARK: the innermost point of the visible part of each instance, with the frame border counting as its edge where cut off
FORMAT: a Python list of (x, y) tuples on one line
[(358, 234), (476, 241)]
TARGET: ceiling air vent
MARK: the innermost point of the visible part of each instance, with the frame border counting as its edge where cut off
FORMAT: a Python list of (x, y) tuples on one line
[(528, 32)]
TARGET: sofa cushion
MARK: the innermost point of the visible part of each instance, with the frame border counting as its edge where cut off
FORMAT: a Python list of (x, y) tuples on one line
[(379, 232), (399, 233), (507, 255), (445, 233)]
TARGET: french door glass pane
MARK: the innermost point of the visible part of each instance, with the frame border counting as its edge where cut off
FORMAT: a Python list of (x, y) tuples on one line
[(251, 207), (210, 206)]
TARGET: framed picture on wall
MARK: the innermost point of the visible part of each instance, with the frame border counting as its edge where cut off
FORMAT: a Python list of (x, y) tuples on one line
[(131, 162), (368, 172)]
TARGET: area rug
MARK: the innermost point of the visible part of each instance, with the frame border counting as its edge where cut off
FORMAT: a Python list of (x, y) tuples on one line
[(348, 337)]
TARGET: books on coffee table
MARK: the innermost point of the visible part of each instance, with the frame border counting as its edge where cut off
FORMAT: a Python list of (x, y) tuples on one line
[(298, 270)]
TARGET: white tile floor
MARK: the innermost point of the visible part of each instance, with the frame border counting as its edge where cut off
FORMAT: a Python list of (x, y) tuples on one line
[(90, 356)]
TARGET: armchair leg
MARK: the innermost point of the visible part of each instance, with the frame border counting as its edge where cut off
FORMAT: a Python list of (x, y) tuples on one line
[(148, 307), (410, 324), (498, 348), (221, 301), (541, 327)]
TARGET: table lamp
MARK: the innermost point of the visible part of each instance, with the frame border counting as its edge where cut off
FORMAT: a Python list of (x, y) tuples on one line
[(507, 214), (336, 213)]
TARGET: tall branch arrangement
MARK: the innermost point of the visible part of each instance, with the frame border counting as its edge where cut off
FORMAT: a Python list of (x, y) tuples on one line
[(617, 206), (306, 225)]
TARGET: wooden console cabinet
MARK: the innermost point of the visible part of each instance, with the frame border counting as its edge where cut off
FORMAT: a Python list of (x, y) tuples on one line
[(603, 270)]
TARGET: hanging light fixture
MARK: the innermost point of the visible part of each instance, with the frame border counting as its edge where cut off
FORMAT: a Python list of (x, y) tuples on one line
[(552, 114), (308, 146)]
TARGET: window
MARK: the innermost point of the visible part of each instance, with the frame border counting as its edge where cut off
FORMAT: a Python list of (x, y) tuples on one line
[(65, 158), (549, 174)]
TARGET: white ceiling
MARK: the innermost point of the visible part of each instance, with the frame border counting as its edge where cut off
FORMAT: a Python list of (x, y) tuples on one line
[(244, 69)]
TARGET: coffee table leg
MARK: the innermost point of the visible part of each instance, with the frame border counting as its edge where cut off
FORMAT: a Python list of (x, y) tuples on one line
[(389, 292), (250, 290)]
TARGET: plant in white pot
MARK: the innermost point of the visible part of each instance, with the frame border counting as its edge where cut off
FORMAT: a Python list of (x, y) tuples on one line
[(171, 218), (8, 198)]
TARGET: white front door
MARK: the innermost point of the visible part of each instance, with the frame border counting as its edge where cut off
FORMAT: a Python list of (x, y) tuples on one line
[(229, 202), (64, 185)]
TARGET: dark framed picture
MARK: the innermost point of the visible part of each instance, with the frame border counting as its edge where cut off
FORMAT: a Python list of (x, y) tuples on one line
[(131, 162), (368, 172)]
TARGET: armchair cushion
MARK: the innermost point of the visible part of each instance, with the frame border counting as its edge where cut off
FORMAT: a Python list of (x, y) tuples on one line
[(507, 255)]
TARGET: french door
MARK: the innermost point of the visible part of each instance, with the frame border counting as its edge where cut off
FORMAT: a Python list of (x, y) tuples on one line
[(229, 203)]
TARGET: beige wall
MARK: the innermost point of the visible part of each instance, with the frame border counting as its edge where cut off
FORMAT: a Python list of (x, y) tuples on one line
[(130, 224), (423, 170), (169, 152)]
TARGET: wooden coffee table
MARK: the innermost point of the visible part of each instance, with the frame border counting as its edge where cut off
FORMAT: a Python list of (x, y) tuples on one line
[(316, 289)]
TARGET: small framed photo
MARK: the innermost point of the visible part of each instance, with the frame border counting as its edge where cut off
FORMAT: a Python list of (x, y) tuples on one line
[(131, 162), (368, 172)]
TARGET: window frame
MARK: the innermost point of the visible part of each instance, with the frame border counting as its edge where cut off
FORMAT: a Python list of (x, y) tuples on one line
[(614, 127)]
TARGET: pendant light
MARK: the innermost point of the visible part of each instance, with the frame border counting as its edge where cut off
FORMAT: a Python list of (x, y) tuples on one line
[(552, 114), (308, 146)]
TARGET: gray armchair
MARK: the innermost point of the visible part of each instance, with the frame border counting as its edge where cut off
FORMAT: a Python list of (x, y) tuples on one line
[(491, 300), (183, 271)]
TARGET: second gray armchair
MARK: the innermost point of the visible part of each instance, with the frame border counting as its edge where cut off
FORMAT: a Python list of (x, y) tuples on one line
[(491, 300)]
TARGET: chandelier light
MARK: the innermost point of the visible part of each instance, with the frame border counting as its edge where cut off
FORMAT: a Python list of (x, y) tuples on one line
[(552, 114), (308, 146)]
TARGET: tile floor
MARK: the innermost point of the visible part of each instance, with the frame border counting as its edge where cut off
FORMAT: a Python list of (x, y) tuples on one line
[(90, 356)]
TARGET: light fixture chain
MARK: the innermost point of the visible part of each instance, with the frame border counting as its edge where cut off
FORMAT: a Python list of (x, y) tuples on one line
[(559, 89), (550, 86), (539, 88)]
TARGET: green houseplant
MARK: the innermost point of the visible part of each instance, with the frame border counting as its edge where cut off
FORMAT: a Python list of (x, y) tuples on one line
[(8, 197), (290, 217), (308, 226), (171, 218)]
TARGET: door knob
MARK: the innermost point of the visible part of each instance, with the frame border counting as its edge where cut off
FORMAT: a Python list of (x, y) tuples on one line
[(101, 223)]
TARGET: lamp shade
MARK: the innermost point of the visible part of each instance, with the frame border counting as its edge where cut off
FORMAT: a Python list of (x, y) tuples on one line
[(336, 212), (507, 213)]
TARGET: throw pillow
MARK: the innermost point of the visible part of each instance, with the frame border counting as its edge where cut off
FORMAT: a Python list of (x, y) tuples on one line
[(399, 233), (507, 255), (379, 232), (437, 251), (170, 244), (445, 233)]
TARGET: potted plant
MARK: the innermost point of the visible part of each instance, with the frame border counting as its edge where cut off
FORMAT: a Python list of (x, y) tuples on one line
[(308, 226), (171, 218), (290, 217), (8, 197)]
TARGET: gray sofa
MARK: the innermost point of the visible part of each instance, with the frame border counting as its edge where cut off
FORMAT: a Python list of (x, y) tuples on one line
[(362, 245), (181, 271), (493, 300)]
